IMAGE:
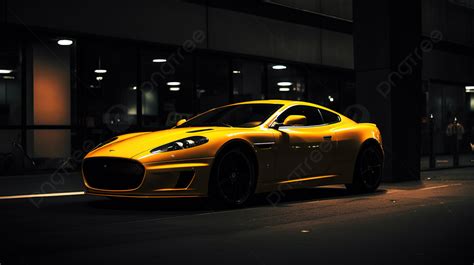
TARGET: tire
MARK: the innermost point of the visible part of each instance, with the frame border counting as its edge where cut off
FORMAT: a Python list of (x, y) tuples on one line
[(233, 178), (368, 170)]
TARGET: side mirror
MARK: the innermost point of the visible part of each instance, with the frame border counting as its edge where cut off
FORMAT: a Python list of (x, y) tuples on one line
[(294, 120), (180, 122)]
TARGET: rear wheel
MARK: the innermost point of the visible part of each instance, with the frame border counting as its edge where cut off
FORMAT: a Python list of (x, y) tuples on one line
[(368, 170), (233, 178)]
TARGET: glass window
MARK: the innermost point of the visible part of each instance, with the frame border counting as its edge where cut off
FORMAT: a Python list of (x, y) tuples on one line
[(286, 82), (247, 79), (11, 151), (166, 86), (50, 88), (9, 137), (49, 148), (213, 81), (329, 117), (323, 87), (10, 83), (313, 117), (245, 115), (108, 86)]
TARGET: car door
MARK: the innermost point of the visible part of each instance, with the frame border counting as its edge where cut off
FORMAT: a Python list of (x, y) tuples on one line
[(304, 150)]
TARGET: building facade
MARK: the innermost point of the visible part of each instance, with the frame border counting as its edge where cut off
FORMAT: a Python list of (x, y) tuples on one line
[(77, 72)]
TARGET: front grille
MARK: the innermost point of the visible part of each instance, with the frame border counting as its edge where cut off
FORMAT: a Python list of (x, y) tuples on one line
[(112, 173)]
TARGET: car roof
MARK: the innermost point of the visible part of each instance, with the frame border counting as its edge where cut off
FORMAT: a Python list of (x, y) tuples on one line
[(282, 102)]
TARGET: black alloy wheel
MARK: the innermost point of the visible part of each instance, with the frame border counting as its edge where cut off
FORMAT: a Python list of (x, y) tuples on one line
[(233, 180), (368, 170)]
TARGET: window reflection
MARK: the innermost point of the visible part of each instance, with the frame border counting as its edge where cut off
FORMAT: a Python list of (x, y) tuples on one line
[(212, 88), (247, 80), (96, 88), (166, 87), (286, 82), (10, 84), (108, 82)]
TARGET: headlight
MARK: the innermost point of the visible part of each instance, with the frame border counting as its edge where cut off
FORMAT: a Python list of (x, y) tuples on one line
[(180, 144), (106, 142)]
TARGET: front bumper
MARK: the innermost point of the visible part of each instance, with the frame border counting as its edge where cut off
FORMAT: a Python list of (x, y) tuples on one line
[(172, 179)]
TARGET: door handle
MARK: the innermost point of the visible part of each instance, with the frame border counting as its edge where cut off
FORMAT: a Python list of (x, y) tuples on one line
[(329, 137)]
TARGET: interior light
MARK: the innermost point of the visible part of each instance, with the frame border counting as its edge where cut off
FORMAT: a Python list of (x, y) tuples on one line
[(331, 99), (279, 67), (174, 88), (173, 83), (284, 89), (99, 78), (8, 77), (134, 87), (284, 83), (469, 89), (5, 71), (159, 60), (65, 42), (100, 71), (236, 72)]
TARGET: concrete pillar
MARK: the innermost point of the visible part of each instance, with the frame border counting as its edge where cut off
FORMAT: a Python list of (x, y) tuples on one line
[(388, 63)]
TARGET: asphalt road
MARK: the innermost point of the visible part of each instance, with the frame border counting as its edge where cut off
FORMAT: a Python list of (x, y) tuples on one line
[(429, 222)]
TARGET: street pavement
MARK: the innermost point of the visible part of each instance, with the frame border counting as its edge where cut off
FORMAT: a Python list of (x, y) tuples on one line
[(419, 222)]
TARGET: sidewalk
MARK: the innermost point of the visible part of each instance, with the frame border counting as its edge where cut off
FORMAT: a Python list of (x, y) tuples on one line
[(446, 161), (466, 173), (39, 184)]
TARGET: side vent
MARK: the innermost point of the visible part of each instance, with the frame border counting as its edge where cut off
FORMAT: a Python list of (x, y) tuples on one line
[(184, 179)]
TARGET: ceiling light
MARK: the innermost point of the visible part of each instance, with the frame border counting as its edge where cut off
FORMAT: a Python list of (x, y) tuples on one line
[(5, 71), (100, 71), (173, 83), (331, 99), (284, 83), (65, 42), (8, 77), (284, 89), (134, 87), (279, 67), (469, 89), (174, 88), (99, 78), (159, 60), (236, 72)]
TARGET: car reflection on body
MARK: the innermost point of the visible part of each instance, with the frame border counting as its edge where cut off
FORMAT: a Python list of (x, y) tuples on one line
[(232, 152)]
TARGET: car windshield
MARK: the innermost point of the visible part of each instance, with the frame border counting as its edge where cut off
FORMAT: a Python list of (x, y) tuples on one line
[(244, 115)]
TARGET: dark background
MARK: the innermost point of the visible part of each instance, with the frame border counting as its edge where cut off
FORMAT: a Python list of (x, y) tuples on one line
[(405, 65)]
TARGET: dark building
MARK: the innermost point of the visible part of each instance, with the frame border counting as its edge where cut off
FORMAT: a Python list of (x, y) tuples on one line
[(74, 73)]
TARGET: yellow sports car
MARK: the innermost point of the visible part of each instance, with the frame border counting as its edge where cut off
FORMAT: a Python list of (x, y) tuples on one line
[(231, 152)]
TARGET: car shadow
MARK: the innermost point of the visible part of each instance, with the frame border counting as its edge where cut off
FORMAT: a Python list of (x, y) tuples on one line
[(200, 205), (286, 198)]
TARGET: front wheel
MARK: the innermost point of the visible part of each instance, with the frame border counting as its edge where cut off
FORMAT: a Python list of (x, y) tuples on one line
[(368, 170), (233, 178)]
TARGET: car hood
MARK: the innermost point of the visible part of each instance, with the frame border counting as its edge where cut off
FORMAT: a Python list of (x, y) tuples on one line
[(130, 145)]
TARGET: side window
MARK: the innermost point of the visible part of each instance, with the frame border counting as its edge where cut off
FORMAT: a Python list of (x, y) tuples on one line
[(313, 117), (329, 117)]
